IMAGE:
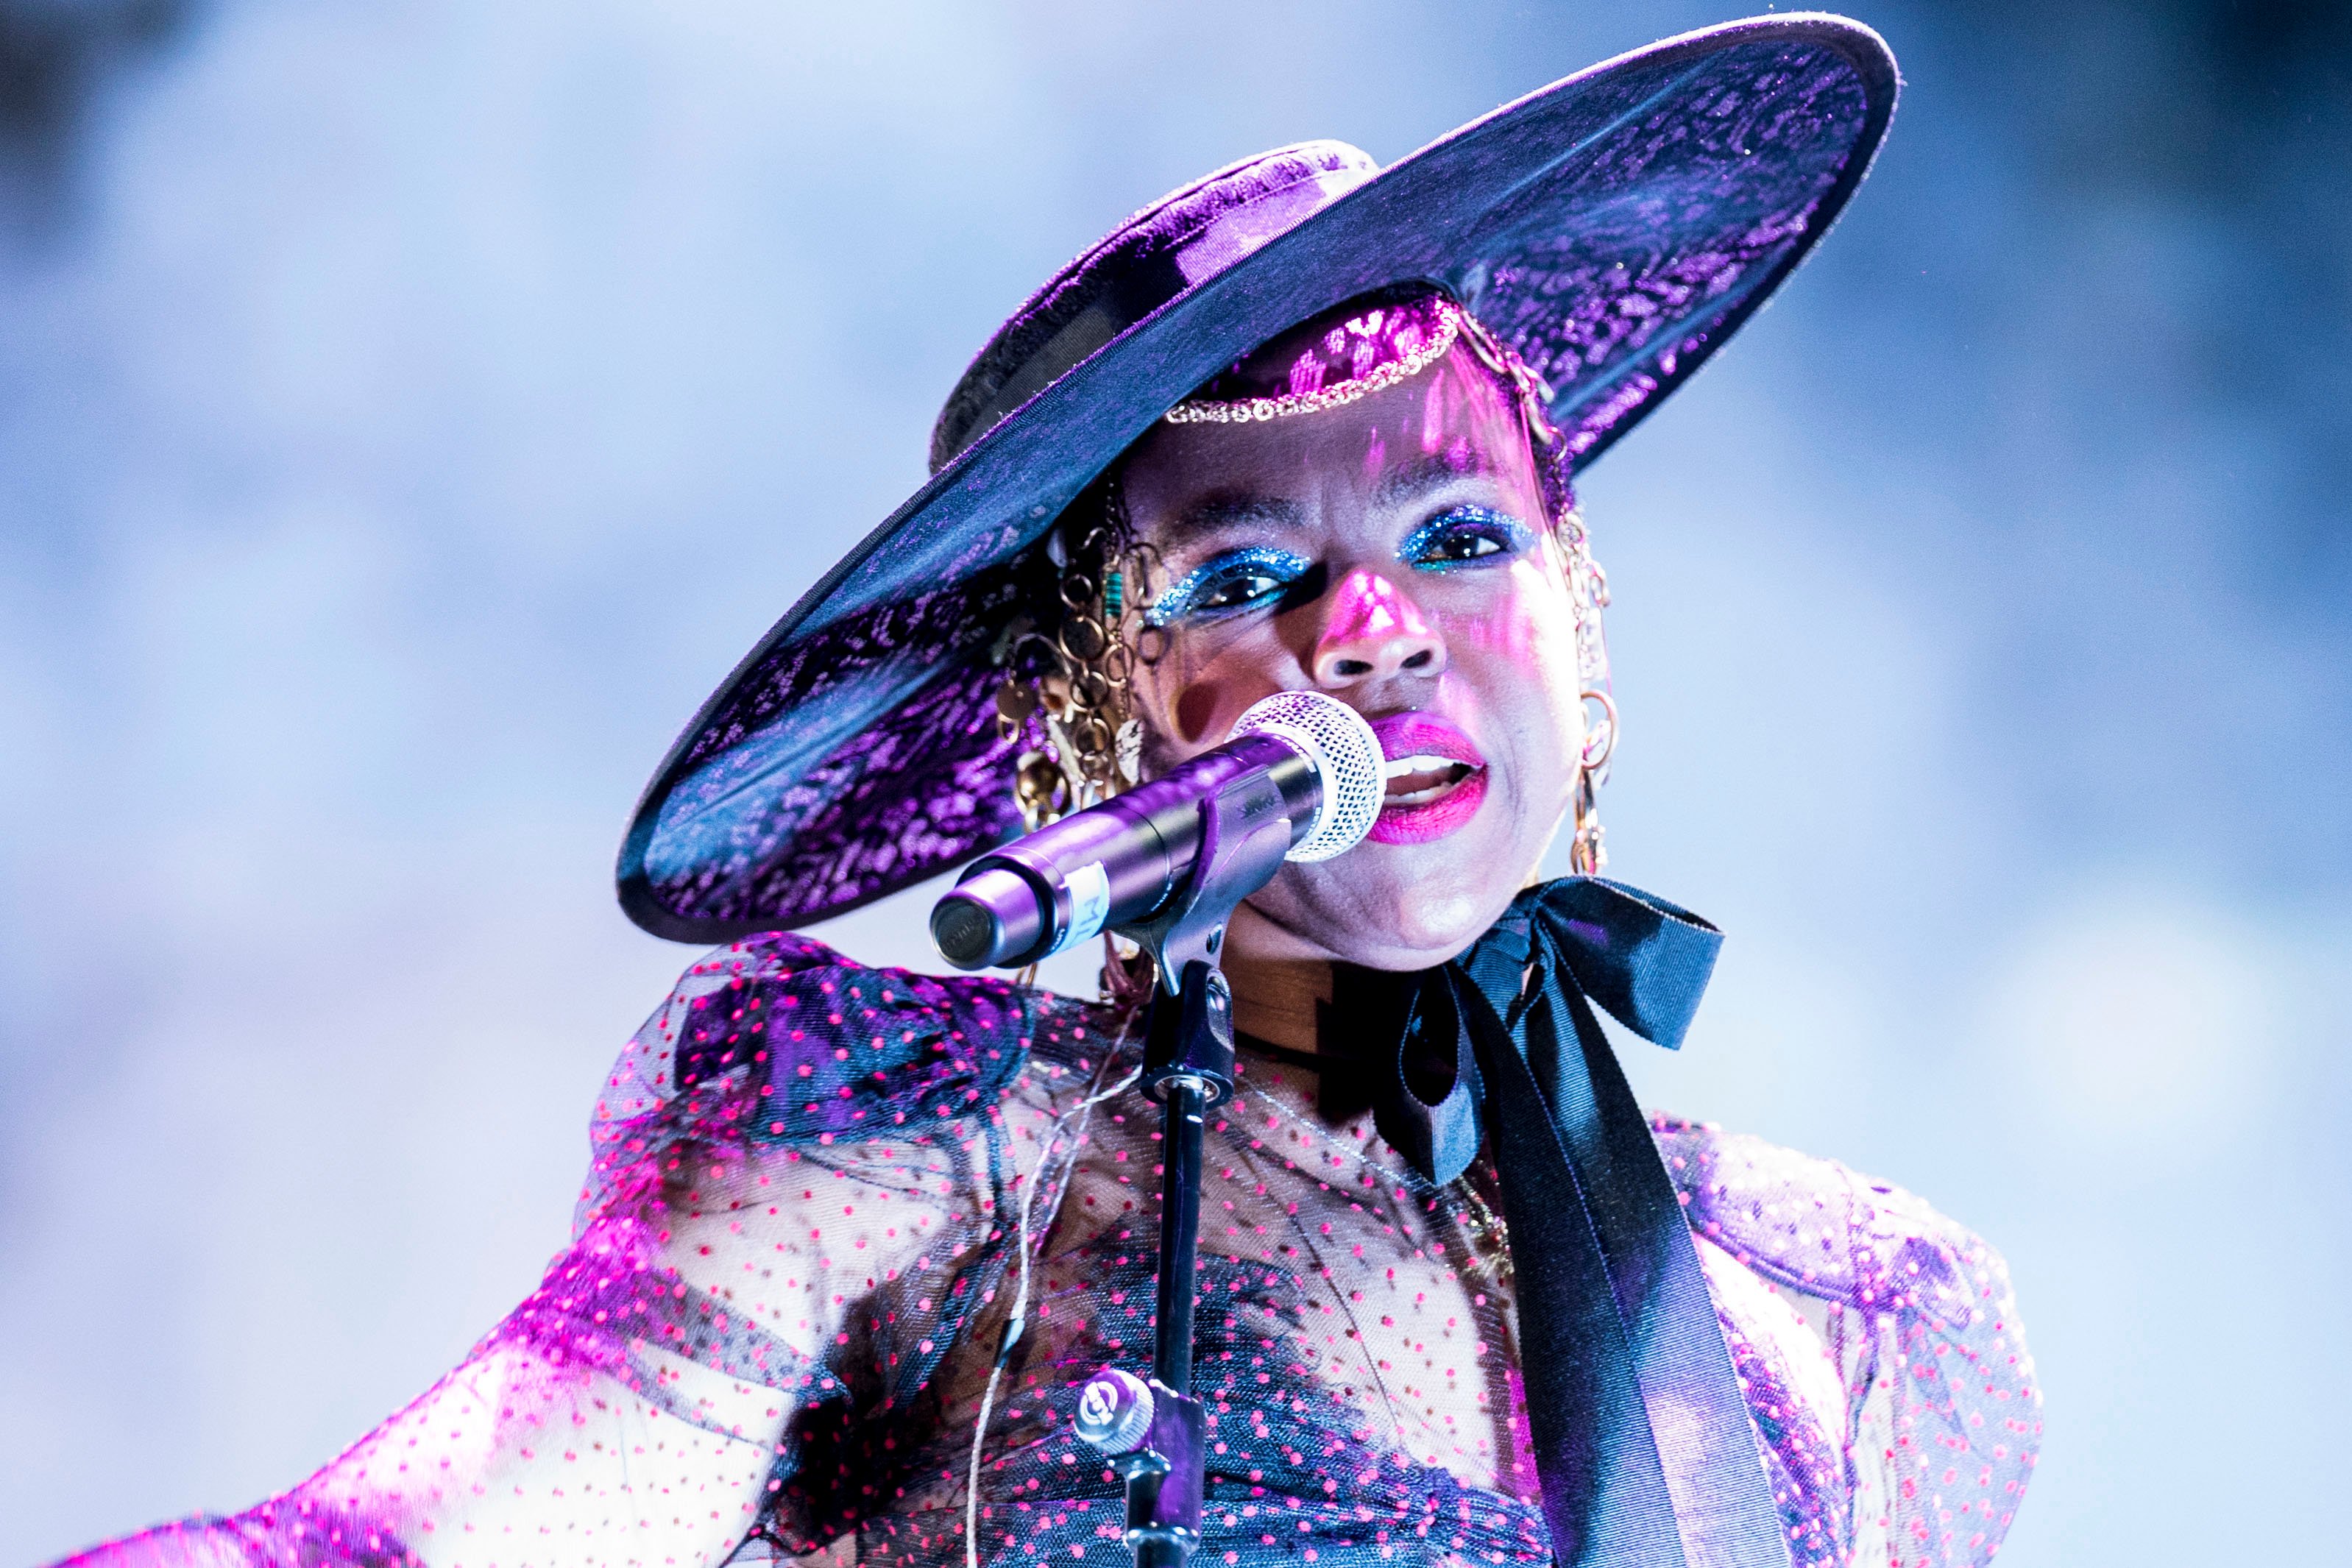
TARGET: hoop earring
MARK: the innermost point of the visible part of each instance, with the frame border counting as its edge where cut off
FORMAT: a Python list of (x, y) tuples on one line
[(1588, 855), (1600, 739)]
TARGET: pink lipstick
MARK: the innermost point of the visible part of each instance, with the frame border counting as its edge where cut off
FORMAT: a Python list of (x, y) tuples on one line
[(1437, 777)]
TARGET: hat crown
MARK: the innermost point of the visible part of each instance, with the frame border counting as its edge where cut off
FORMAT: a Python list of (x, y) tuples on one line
[(1183, 239)]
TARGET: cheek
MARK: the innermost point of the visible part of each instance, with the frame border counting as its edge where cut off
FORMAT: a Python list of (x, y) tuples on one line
[(1191, 695), (1521, 655), (1532, 631), (1518, 635)]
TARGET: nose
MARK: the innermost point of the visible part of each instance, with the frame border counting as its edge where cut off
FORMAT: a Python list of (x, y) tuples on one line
[(1374, 633)]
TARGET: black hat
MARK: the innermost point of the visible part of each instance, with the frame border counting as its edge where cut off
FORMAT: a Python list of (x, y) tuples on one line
[(1613, 229)]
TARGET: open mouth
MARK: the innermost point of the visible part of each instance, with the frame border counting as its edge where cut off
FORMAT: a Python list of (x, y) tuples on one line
[(1436, 778), (1422, 778)]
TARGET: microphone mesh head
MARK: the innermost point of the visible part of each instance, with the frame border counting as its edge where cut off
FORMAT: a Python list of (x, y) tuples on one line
[(1346, 758)]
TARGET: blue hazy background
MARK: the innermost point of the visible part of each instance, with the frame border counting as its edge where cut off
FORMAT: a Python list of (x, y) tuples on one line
[(409, 410)]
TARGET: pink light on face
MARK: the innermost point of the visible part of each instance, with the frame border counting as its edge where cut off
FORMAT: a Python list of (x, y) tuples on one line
[(1462, 400), (1517, 632), (1435, 407), (1367, 608)]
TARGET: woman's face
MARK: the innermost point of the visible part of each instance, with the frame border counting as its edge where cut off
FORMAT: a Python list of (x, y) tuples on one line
[(1392, 553)]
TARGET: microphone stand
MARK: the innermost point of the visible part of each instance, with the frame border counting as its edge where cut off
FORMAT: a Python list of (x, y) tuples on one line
[(1155, 1433)]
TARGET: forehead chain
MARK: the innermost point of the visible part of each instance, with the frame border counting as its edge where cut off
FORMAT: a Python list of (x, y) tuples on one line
[(1454, 324)]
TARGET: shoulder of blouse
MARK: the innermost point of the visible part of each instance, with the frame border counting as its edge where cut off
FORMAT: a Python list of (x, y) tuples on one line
[(1814, 1225), (779, 1041), (1945, 1411), (777, 1053), (1816, 1228)]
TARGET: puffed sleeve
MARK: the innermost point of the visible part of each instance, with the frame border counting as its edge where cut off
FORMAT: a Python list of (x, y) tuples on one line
[(1943, 1417), (805, 1149), (789, 1213)]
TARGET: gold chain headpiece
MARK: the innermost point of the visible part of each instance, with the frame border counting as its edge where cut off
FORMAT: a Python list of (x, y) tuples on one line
[(1450, 318)]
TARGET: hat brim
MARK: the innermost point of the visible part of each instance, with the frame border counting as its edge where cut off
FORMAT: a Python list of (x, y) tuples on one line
[(1615, 227)]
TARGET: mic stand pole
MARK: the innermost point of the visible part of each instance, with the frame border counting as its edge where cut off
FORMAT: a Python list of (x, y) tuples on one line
[(1155, 1434), (1188, 1067)]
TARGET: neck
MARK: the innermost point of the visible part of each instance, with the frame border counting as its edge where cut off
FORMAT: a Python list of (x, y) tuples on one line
[(1276, 998), (1278, 980)]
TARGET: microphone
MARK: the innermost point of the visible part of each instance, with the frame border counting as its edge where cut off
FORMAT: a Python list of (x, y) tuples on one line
[(1301, 761)]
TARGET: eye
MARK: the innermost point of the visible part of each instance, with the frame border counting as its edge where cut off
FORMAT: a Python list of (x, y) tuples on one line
[(1241, 580), (1463, 546), (1241, 588), (1465, 537)]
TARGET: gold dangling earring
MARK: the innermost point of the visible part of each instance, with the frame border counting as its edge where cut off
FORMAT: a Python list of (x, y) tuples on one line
[(1587, 855)]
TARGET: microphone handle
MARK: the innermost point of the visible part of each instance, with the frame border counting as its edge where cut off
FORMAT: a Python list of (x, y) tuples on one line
[(1114, 864)]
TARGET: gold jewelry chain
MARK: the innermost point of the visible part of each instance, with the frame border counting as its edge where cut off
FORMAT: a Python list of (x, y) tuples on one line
[(1092, 741), (1087, 693), (1096, 663)]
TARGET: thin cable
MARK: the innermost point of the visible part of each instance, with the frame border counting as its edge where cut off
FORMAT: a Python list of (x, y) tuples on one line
[(1018, 1322)]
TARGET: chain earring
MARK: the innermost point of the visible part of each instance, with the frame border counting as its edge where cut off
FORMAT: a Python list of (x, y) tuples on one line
[(1098, 665), (1078, 708), (1588, 855)]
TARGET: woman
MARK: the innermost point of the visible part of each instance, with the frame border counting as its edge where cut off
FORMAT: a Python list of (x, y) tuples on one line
[(852, 1237)]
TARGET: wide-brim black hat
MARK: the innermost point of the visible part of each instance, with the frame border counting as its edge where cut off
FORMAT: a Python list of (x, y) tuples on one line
[(1613, 228)]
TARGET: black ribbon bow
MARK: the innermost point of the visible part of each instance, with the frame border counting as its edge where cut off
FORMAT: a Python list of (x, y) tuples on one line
[(1642, 1434)]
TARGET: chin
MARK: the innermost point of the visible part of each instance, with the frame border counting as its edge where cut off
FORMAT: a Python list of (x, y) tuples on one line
[(1401, 904), (1384, 922), (1438, 897), (1426, 925)]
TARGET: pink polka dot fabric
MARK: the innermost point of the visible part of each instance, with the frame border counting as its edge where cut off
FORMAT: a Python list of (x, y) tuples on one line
[(797, 1250)]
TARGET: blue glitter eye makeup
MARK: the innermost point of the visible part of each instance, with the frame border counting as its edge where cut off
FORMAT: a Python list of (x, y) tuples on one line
[(1238, 580), (1466, 536)]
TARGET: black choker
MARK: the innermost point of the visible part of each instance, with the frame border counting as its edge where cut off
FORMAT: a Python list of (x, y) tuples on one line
[(1312, 1060)]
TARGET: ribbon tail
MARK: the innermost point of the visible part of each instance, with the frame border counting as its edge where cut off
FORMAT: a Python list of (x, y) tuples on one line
[(1606, 1495), (1641, 1427)]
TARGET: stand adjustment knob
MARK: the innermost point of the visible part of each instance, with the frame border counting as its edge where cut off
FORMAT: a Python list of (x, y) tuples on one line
[(1114, 1411)]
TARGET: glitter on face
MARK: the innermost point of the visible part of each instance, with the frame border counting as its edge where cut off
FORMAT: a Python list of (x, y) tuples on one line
[(1450, 541), (1236, 580)]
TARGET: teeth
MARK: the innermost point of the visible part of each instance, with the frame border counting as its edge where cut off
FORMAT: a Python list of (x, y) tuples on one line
[(1422, 763)]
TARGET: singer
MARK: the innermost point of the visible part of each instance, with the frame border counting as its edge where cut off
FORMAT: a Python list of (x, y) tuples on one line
[(851, 1237)]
